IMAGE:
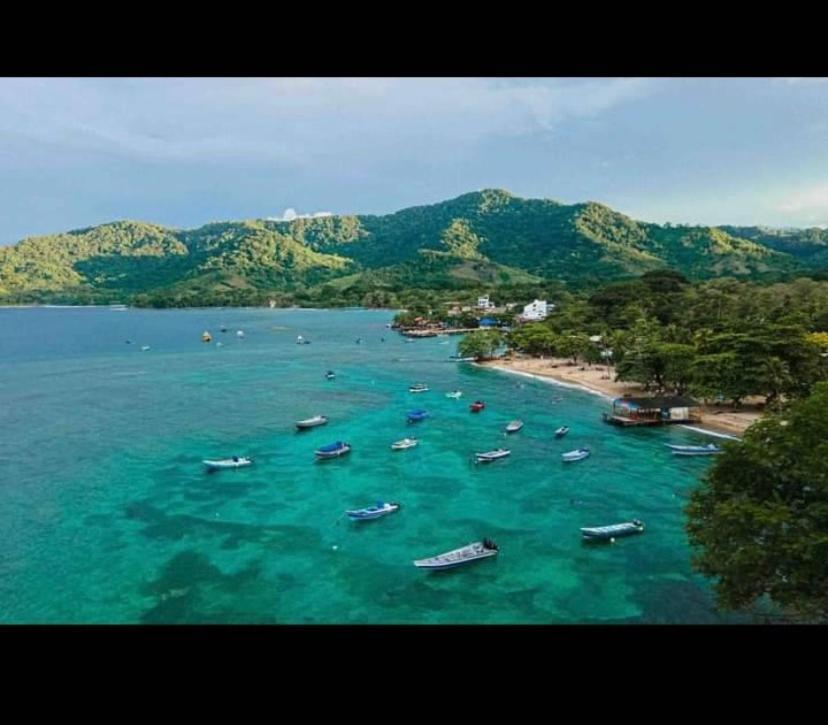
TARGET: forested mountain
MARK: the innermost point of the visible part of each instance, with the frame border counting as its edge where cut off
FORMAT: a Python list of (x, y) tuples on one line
[(481, 239)]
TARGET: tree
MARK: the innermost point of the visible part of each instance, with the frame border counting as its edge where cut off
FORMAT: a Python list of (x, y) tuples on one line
[(759, 522), (481, 344)]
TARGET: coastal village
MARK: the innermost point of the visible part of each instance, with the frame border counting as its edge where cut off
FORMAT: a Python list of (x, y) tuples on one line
[(630, 403)]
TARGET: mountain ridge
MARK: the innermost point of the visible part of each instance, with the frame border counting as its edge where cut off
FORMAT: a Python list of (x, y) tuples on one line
[(477, 239)]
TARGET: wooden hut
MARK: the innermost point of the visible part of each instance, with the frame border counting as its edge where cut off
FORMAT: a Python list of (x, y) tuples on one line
[(653, 411)]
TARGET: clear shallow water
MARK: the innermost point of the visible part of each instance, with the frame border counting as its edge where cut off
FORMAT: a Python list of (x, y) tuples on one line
[(107, 515)]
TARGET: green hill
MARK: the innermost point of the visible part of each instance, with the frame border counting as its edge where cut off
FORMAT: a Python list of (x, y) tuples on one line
[(481, 239)]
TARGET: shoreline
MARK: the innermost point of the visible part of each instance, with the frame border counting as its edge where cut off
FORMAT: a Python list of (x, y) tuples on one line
[(715, 421)]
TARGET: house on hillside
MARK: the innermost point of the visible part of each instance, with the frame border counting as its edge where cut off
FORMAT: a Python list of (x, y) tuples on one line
[(537, 310), (484, 303)]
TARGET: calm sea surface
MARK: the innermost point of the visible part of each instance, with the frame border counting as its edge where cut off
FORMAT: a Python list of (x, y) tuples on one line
[(107, 514)]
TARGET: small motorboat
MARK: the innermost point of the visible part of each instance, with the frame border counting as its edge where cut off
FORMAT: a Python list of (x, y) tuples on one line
[(144, 348), (223, 328), (577, 455), (514, 426), (460, 358), (455, 394), (234, 462), (301, 340), (206, 337), (330, 375), (334, 450), (311, 422), (239, 333), (218, 344), (416, 415), (490, 456), (561, 432), (464, 555), (418, 388), (477, 406), (611, 533), (711, 449), (404, 443), (373, 512)]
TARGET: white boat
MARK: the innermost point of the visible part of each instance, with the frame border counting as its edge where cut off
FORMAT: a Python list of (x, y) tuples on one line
[(373, 512), (418, 388), (455, 394), (330, 375), (514, 426), (144, 348), (561, 432), (239, 333), (464, 555), (490, 456), (234, 462), (711, 449), (578, 455), (404, 443), (458, 358), (311, 422), (604, 533)]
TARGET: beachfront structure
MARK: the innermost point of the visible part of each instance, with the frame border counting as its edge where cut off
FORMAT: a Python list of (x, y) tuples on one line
[(488, 322), (537, 310), (484, 303), (653, 411)]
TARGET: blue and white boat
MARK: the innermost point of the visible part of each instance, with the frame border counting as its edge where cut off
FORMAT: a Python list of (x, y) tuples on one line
[(464, 555), (373, 512), (561, 432), (418, 388), (417, 415), (612, 532), (711, 449), (333, 450), (577, 455)]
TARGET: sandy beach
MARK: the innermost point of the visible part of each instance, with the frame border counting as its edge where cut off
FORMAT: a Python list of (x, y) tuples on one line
[(597, 379)]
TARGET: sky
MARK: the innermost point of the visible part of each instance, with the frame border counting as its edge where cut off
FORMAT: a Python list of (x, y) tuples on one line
[(182, 152)]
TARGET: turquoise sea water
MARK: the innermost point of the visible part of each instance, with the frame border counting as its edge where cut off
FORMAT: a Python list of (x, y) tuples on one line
[(107, 515)]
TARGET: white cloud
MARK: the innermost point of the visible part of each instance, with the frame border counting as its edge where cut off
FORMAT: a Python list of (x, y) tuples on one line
[(290, 214)]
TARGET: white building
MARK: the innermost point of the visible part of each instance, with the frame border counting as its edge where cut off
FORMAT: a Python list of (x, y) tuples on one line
[(537, 310), (484, 303)]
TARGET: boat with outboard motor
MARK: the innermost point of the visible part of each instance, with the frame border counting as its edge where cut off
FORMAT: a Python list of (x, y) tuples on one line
[(577, 455), (234, 462), (612, 532), (464, 555), (490, 456), (373, 512), (711, 449), (404, 444)]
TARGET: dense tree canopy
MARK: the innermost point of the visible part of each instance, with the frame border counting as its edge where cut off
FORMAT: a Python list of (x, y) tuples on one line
[(760, 519)]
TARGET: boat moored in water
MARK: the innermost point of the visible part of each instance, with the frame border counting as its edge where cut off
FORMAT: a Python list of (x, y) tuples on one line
[(403, 444), (418, 388), (711, 449), (330, 375), (561, 432), (373, 512), (206, 336), (477, 406), (464, 555), (234, 462), (612, 532), (577, 455), (490, 456), (317, 420), (416, 415), (455, 394), (333, 450), (514, 426)]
